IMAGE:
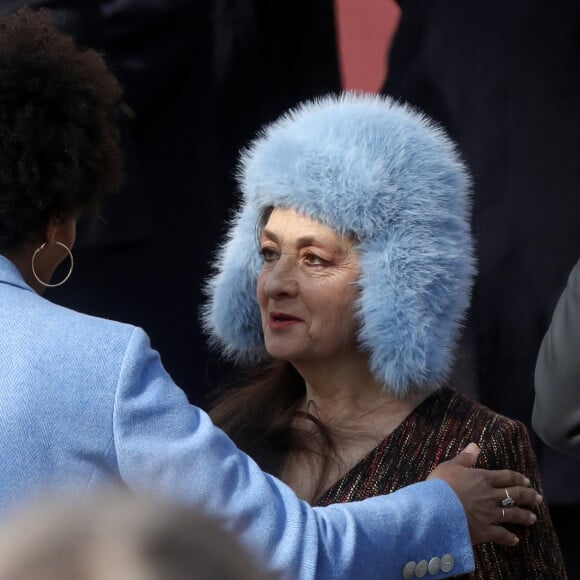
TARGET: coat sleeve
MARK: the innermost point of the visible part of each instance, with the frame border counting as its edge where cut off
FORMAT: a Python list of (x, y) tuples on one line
[(165, 445), (556, 414)]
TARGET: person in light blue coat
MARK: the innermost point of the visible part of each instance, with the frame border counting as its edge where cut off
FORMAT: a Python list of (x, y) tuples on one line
[(86, 401)]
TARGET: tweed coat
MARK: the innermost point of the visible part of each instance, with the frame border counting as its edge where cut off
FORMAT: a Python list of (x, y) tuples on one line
[(435, 431), (85, 400)]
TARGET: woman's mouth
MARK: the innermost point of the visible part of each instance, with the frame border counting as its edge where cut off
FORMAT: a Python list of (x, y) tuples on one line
[(277, 320)]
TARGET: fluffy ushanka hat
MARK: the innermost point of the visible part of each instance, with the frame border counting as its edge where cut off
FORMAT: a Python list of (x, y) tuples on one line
[(369, 167)]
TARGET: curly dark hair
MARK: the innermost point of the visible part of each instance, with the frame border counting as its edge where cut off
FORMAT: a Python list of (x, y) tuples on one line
[(59, 143)]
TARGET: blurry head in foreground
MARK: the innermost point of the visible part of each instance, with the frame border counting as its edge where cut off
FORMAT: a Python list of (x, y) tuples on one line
[(119, 537)]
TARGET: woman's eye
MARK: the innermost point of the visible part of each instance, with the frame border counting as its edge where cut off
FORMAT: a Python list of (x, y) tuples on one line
[(268, 254), (314, 260)]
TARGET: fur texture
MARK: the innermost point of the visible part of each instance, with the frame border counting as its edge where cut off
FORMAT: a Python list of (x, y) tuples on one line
[(368, 166)]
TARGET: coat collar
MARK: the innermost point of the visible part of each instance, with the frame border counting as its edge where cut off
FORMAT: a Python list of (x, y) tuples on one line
[(9, 274)]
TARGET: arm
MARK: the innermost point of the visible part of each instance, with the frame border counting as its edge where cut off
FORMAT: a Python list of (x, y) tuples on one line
[(163, 442), (556, 414)]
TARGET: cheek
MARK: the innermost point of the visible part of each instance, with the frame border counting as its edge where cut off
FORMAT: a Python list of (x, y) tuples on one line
[(260, 293), (343, 317), (338, 314), (351, 294)]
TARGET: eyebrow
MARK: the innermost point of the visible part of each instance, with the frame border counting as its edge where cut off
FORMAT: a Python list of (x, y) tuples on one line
[(303, 241), (310, 241)]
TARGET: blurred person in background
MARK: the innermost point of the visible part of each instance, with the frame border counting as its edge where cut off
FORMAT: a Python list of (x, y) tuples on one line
[(556, 416)]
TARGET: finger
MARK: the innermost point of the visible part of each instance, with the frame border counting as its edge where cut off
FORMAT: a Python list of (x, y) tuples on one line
[(515, 515), (524, 496), (472, 449), (467, 457), (503, 478), (500, 535)]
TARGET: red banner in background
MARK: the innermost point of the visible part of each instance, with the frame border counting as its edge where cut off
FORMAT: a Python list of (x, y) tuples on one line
[(365, 29)]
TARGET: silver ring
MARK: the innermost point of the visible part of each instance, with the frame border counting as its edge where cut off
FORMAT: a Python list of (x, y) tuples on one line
[(499, 522), (507, 501)]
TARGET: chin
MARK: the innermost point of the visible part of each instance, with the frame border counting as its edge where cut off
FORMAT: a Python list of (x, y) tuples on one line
[(283, 352)]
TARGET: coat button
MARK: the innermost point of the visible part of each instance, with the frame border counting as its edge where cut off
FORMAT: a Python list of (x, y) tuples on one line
[(409, 570), (421, 569), (434, 566), (447, 563)]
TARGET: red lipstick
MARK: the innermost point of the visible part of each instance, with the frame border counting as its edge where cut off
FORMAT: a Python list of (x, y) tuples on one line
[(278, 320)]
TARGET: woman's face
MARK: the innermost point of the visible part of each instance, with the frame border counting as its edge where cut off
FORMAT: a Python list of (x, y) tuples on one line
[(306, 290)]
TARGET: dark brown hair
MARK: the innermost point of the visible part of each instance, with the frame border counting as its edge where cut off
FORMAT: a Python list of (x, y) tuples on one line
[(258, 410), (59, 142)]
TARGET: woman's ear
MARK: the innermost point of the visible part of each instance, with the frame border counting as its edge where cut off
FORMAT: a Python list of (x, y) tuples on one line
[(61, 229)]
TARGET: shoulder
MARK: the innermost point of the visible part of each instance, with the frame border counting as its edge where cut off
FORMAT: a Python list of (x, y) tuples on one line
[(503, 441), (72, 325), (108, 346), (488, 418), (75, 344), (462, 407)]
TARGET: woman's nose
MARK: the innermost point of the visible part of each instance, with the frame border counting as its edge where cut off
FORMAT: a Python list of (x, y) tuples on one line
[(280, 280)]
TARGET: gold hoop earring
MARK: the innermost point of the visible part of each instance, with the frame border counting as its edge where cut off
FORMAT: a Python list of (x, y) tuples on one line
[(72, 263)]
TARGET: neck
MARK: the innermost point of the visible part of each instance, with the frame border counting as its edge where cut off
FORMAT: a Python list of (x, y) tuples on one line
[(358, 413), (347, 394), (22, 259)]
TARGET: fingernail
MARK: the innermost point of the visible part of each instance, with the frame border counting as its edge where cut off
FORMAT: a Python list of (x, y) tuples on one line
[(471, 448), (515, 540), (539, 498), (533, 518), (527, 482)]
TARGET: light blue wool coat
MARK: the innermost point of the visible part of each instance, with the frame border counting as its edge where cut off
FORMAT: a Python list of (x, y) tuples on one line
[(369, 167), (84, 401)]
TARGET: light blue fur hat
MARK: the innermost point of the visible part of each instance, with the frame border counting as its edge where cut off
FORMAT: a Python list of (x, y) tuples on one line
[(369, 167)]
